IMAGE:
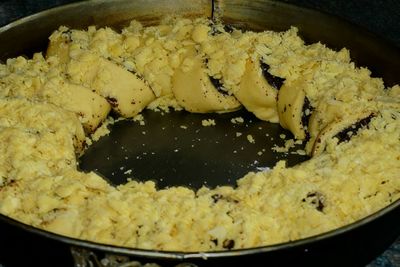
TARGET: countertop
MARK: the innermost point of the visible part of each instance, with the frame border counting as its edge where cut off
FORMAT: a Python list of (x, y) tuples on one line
[(382, 17)]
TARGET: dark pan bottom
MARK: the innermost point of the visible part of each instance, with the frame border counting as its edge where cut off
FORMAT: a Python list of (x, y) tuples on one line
[(175, 149)]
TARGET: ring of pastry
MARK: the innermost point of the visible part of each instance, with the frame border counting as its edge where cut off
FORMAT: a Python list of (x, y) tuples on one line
[(49, 105)]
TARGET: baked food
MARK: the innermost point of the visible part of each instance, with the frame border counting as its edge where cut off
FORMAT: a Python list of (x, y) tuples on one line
[(348, 119)]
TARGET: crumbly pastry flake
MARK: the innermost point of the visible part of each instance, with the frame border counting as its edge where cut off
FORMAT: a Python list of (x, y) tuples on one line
[(50, 106)]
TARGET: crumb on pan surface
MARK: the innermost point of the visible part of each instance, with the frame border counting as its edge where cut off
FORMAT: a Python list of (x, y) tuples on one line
[(51, 106)]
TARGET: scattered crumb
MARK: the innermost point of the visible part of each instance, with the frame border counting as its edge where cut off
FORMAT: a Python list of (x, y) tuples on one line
[(139, 118), (300, 152), (129, 172), (88, 141), (250, 138), (102, 130), (183, 127), (237, 120), (298, 142), (238, 134), (290, 143), (282, 136), (259, 153), (208, 122), (264, 169), (119, 119), (164, 104)]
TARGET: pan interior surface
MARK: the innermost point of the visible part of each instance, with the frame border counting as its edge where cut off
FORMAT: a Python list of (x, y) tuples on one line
[(175, 149)]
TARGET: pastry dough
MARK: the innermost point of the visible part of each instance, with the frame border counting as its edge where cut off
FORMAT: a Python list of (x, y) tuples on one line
[(350, 122), (194, 91)]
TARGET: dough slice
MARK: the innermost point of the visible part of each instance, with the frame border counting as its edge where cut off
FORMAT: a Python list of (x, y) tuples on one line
[(127, 93), (91, 108), (294, 108), (256, 94), (38, 79), (342, 129), (196, 92), (22, 113)]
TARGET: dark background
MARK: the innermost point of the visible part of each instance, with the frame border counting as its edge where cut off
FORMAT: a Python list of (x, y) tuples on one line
[(382, 17)]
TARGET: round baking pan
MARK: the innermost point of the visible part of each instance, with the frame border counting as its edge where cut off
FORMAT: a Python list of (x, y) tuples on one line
[(174, 149)]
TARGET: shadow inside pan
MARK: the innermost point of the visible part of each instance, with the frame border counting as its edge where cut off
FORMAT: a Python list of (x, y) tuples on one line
[(175, 149)]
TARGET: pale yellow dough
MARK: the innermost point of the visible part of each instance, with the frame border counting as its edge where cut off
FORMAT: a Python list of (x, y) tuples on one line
[(45, 103)]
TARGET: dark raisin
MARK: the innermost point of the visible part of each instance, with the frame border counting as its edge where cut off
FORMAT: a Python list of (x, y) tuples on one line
[(68, 32), (315, 199), (274, 81), (67, 35), (215, 241), (228, 244), (346, 134), (113, 101), (216, 197), (306, 114), (218, 85), (216, 82)]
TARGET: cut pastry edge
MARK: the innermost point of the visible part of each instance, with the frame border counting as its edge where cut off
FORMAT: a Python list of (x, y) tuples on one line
[(196, 91), (127, 93), (294, 108), (331, 110), (256, 94), (90, 108), (342, 129), (274, 81)]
